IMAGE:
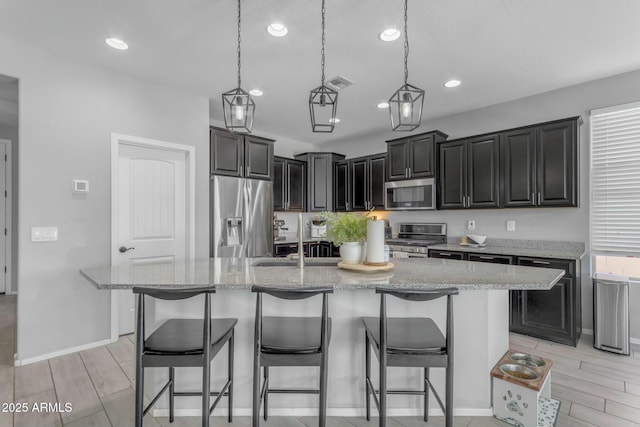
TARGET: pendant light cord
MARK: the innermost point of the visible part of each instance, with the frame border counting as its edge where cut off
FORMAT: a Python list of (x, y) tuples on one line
[(406, 45), (322, 51), (239, 85)]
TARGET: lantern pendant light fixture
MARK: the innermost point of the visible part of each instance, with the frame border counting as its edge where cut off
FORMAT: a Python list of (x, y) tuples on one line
[(323, 101), (405, 105), (237, 104)]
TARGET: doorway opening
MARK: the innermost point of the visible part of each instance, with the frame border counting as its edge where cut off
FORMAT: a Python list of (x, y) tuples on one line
[(8, 215)]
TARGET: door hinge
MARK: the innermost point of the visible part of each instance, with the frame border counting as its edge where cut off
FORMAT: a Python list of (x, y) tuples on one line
[(5, 158), (5, 194), (5, 268), (5, 231)]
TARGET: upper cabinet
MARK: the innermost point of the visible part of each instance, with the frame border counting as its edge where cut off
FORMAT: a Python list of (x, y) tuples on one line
[(469, 173), (360, 183), (289, 184), (540, 164), (320, 179), (240, 155), (414, 156)]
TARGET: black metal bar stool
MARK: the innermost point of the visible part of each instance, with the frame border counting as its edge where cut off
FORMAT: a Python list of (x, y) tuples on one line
[(182, 343), (290, 341), (409, 342)]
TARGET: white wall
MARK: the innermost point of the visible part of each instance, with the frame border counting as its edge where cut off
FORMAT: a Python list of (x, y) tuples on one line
[(542, 223), (67, 114), (11, 133)]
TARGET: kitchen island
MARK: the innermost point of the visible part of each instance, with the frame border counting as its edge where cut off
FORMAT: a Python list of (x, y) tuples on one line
[(480, 319)]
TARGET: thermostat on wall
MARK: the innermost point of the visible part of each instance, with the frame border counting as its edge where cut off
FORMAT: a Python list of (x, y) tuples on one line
[(80, 186)]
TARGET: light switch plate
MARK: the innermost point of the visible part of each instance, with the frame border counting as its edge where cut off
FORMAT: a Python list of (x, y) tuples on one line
[(471, 225), (44, 234), (511, 225), (80, 186)]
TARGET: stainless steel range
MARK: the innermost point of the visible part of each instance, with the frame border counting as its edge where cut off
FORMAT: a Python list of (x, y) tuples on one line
[(414, 239)]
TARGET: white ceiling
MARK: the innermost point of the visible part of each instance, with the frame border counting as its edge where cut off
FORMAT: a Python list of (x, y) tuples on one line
[(500, 49)]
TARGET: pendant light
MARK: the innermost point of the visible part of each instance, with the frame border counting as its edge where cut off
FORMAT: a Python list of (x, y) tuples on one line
[(237, 104), (323, 101), (405, 105)]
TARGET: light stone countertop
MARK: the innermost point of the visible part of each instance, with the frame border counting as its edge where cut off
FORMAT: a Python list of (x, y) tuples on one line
[(530, 248), (242, 273)]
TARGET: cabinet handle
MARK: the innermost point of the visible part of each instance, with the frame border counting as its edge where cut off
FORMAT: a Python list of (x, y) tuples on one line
[(464, 201), (533, 199), (539, 198), (409, 172), (541, 262), (248, 169), (406, 172), (241, 171), (468, 201), (485, 257)]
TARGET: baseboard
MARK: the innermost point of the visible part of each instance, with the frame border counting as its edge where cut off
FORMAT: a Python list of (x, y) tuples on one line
[(47, 356), (331, 412), (632, 340)]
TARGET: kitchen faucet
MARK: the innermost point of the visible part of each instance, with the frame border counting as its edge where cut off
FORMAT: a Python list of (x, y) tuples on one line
[(300, 263)]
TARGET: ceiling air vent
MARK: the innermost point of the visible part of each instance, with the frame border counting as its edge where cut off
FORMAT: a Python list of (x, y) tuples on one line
[(338, 83)]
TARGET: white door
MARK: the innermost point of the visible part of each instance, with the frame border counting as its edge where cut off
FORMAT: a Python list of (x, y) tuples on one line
[(152, 213), (3, 218)]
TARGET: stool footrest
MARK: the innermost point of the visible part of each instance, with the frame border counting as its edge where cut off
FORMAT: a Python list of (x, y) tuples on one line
[(223, 392), (293, 390)]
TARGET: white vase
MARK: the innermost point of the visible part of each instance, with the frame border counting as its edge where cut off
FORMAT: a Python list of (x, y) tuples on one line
[(350, 252)]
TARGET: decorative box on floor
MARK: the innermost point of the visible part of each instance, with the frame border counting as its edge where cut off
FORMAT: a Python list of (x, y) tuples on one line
[(522, 391)]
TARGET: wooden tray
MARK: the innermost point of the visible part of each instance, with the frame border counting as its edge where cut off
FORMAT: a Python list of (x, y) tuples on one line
[(363, 268)]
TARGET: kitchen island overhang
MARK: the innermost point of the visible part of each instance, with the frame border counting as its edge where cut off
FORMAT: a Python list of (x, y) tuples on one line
[(481, 324)]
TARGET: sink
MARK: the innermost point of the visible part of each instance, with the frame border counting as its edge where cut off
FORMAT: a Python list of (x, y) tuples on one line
[(308, 262)]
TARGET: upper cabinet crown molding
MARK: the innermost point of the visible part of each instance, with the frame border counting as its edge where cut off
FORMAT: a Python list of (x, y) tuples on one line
[(240, 155)]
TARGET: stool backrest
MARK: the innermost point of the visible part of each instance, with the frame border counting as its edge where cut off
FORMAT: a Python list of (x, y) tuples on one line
[(175, 294), (293, 294), (415, 295)]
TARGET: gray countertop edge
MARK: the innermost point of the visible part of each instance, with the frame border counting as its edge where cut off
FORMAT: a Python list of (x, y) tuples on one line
[(228, 274)]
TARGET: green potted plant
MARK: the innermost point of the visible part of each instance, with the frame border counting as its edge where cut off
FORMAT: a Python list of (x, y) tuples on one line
[(348, 231)]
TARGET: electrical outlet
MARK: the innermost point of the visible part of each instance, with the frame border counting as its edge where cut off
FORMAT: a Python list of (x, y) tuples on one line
[(471, 225), (511, 225)]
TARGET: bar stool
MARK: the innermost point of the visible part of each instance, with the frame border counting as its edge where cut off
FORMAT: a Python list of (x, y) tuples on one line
[(290, 341), (182, 343), (410, 342)]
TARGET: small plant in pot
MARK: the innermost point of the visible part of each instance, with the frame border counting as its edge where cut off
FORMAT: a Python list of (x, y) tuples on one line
[(348, 231)]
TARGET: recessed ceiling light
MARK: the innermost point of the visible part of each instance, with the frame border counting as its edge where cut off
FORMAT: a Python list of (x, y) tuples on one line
[(255, 92), (389, 35), (452, 83), (334, 120), (277, 30), (383, 105), (117, 44)]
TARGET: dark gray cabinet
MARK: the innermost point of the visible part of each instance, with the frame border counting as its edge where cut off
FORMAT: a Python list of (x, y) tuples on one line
[(540, 164), (289, 185), (240, 155), (319, 179), (360, 183), (413, 157), (554, 314), (342, 187), (321, 249), (469, 173)]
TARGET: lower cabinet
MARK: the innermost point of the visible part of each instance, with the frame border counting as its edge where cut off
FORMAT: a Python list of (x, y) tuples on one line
[(311, 249), (554, 314)]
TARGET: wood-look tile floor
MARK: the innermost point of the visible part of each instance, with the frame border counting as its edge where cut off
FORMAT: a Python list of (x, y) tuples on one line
[(596, 388)]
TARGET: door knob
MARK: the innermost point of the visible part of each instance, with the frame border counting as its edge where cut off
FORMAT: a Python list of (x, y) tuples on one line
[(124, 249)]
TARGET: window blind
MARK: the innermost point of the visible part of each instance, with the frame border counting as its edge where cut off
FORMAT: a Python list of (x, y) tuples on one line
[(615, 180)]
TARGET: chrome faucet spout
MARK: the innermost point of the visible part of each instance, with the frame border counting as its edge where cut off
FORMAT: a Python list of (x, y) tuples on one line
[(300, 263)]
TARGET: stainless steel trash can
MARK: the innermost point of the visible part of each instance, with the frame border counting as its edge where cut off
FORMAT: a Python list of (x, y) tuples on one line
[(611, 313)]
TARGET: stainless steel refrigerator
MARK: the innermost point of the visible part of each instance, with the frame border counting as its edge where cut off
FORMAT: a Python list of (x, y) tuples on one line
[(241, 217)]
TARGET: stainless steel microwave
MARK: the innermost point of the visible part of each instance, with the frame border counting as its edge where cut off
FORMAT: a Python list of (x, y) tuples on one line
[(413, 194)]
